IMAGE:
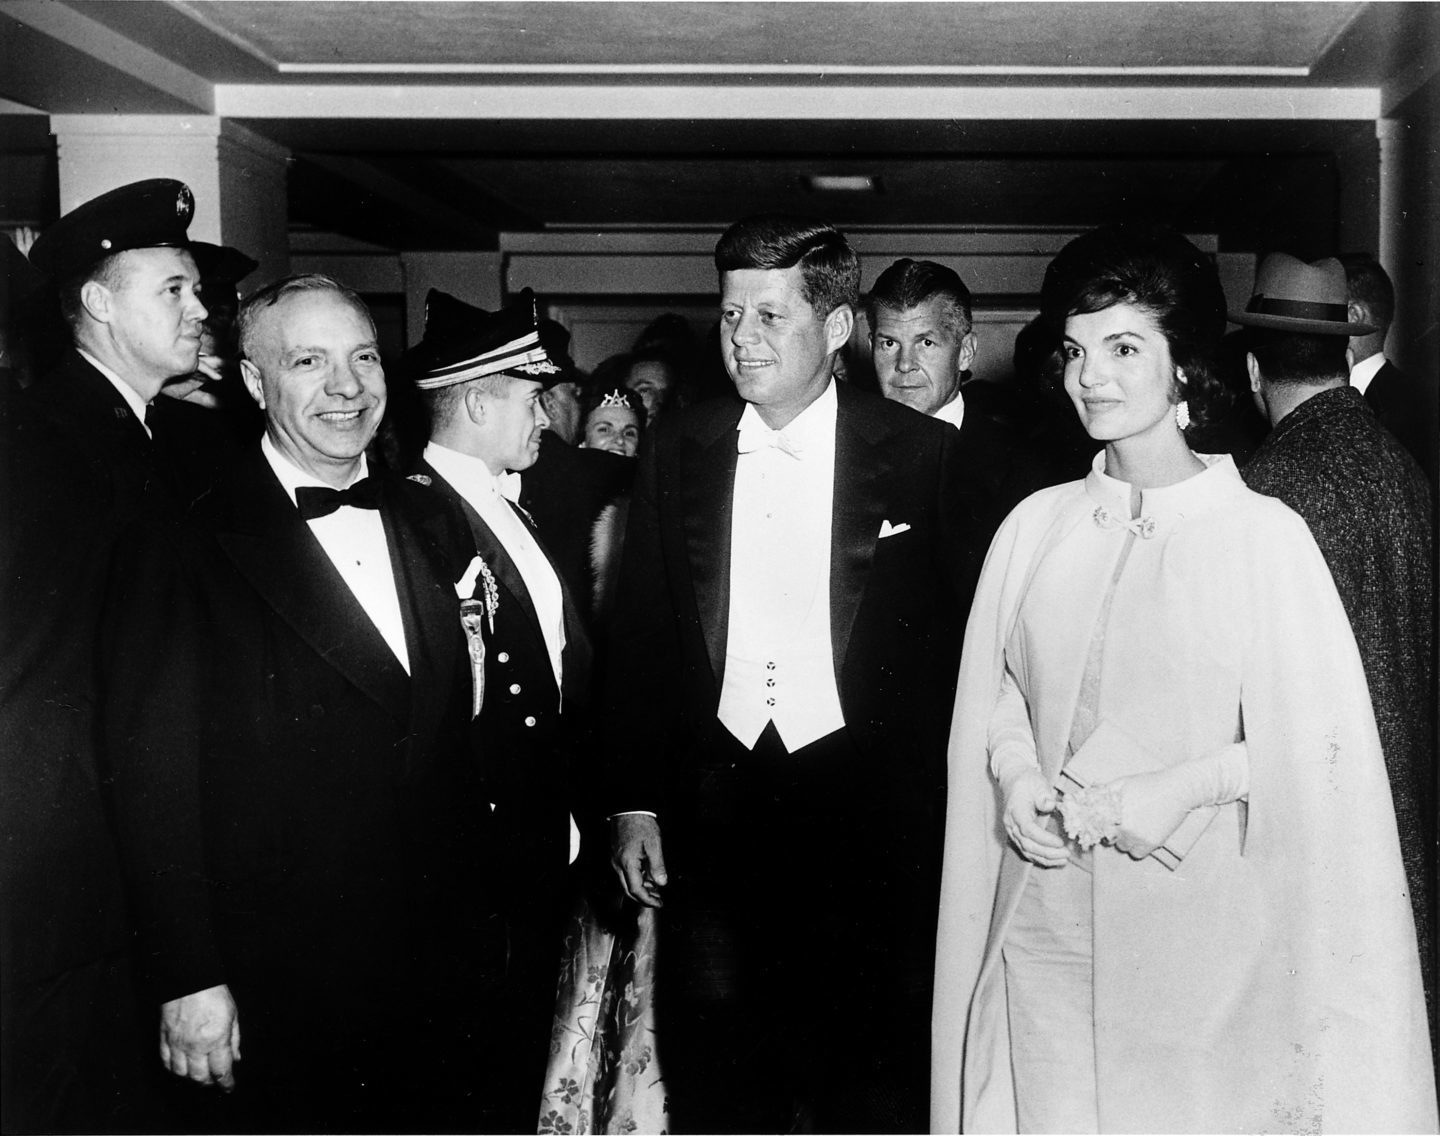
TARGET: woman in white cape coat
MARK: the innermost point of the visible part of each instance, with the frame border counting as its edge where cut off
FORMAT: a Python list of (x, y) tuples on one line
[(1271, 981)]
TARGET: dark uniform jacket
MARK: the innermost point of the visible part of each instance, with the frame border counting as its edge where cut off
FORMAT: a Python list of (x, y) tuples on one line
[(80, 471), (528, 729), (1369, 508)]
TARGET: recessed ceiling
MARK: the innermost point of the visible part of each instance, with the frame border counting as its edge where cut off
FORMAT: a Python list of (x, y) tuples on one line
[(422, 177), (752, 37)]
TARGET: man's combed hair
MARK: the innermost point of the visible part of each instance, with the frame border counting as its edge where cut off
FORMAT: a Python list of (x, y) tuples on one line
[(829, 268), (1160, 271), (1366, 282), (1288, 357), (909, 283), (270, 295), (442, 404)]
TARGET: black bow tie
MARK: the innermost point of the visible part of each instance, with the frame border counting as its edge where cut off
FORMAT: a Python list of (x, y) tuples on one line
[(314, 501)]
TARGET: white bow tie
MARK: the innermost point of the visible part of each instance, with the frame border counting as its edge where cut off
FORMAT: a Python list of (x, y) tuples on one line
[(757, 436), (507, 485)]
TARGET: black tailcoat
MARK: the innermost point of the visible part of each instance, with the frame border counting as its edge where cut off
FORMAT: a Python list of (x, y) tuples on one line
[(828, 860), (897, 605)]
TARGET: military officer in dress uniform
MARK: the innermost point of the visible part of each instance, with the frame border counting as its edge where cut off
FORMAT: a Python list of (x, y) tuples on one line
[(481, 376), (81, 467)]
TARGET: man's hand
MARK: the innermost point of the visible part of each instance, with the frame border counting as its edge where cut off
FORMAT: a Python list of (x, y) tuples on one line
[(636, 857), (200, 1037), (1029, 796), (191, 387)]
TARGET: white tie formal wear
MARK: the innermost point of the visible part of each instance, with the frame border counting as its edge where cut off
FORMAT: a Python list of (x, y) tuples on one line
[(779, 662)]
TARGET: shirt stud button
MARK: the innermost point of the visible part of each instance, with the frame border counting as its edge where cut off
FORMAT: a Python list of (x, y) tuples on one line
[(514, 688), (530, 721), (503, 657)]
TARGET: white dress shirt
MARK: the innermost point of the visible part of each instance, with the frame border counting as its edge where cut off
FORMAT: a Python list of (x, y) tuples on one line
[(354, 540), (1364, 372), (471, 478), (953, 411), (779, 663), (138, 406)]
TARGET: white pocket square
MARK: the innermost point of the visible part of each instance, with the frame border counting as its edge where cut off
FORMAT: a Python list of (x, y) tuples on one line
[(887, 529)]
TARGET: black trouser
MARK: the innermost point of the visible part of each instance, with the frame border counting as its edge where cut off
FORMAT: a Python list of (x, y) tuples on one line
[(798, 940)]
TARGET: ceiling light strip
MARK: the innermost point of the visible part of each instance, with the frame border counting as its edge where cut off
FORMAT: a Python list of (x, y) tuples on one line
[(807, 70), (795, 102)]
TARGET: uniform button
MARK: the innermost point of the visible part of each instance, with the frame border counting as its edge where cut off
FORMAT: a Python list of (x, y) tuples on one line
[(503, 657), (530, 721), (514, 688)]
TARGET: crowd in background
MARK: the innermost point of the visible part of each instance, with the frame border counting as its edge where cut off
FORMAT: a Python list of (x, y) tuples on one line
[(345, 701)]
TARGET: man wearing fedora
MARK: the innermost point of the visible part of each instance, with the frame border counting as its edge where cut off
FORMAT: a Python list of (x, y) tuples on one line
[(81, 466), (1369, 508), (482, 376)]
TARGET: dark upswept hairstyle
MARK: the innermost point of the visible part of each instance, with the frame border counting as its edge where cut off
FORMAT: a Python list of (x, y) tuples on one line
[(1155, 268), (829, 268), (272, 293), (1369, 284), (909, 283)]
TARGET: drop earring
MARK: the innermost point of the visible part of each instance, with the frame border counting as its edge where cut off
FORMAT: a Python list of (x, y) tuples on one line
[(1182, 414)]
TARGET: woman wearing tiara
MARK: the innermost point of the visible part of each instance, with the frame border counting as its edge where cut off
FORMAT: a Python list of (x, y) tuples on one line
[(1173, 898)]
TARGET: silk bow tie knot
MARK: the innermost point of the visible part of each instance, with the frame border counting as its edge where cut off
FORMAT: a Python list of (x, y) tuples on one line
[(1143, 527), (757, 436), (314, 501), (508, 486)]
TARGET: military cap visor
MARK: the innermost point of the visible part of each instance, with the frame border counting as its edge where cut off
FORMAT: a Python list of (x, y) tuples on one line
[(462, 342), (145, 214)]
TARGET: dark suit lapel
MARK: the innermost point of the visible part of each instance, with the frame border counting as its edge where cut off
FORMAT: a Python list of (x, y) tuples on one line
[(705, 470), (278, 554), (862, 469), (431, 613)]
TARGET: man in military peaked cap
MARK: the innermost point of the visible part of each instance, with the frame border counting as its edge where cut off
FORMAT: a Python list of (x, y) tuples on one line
[(81, 467), (482, 375)]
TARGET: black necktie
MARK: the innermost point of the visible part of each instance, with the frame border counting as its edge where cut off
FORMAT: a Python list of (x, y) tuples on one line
[(314, 501)]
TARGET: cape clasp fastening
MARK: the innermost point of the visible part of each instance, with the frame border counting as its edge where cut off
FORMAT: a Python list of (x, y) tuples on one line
[(1143, 527)]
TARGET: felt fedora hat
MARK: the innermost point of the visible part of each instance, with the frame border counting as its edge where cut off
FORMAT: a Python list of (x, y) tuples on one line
[(1291, 295)]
